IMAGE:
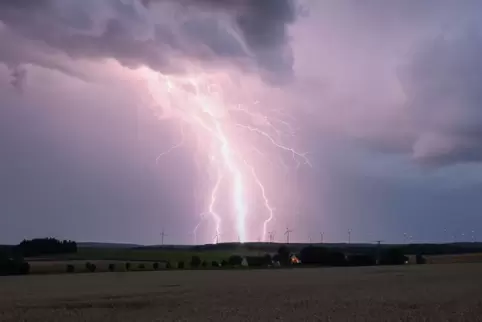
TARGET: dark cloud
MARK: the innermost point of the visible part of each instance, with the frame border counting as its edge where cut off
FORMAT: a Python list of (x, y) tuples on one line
[(443, 84), (18, 75), (136, 35)]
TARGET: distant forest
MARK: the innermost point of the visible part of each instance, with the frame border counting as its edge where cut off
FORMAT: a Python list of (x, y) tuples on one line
[(40, 246)]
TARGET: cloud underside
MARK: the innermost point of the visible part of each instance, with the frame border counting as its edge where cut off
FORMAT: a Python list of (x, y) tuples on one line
[(442, 118), (443, 85), (161, 34)]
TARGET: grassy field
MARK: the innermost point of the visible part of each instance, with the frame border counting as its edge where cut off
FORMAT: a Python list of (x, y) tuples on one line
[(102, 257), (151, 254), (405, 293)]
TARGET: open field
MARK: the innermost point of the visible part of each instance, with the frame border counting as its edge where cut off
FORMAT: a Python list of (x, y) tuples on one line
[(403, 293)]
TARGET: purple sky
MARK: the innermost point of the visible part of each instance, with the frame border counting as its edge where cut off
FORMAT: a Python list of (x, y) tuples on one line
[(386, 96)]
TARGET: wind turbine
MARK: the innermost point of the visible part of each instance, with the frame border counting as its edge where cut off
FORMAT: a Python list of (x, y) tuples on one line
[(271, 236), (378, 250), (216, 238), (162, 237), (287, 233)]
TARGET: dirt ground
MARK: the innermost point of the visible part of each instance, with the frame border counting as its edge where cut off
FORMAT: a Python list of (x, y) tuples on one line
[(411, 293)]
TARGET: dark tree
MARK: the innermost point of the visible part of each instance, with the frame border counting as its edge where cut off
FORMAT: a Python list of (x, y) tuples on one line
[(180, 265), (224, 263), (155, 266), (214, 264), (336, 259), (267, 259), (128, 266), (284, 255), (141, 266), (314, 255), (420, 259), (361, 260), (90, 267), (70, 268), (204, 264), (259, 261), (393, 256), (111, 267), (13, 265), (24, 268), (235, 260), (195, 261), (168, 265), (45, 246)]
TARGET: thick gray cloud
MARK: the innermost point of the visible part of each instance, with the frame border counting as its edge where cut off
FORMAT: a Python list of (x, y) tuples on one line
[(443, 84), (18, 77), (380, 88), (147, 34)]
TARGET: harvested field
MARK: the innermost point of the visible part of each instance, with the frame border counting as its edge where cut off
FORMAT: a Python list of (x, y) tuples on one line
[(408, 293)]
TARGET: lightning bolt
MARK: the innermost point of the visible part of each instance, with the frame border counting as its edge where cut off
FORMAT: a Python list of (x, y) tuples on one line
[(200, 103), (172, 148), (266, 201), (293, 152), (212, 211)]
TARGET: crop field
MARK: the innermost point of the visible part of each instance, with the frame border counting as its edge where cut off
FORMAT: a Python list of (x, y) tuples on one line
[(404, 293)]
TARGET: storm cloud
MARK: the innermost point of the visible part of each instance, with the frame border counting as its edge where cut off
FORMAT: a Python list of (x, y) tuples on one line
[(384, 95), (443, 84), (252, 34)]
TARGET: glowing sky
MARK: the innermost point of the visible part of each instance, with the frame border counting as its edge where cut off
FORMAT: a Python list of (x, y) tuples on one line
[(384, 96)]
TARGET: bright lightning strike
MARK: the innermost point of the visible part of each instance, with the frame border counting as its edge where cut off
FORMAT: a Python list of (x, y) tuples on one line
[(200, 102)]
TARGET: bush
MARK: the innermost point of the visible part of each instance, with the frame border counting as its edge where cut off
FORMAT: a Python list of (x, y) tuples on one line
[(70, 268), (180, 265), (259, 261), (224, 263), (141, 266), (393, 256), (284, 255), (361, 260), (268, 260), (314, 255), (111, 267), (128, 266), (420, 259), (24, 268), (336, 259), (195, 261), (204, 264), (155, 266), (215, 264), (13, 266), (235, 260), (90, 267)]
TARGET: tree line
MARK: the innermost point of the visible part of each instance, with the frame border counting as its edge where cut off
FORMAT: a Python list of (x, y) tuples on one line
[(12, 259), (45, 246)]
